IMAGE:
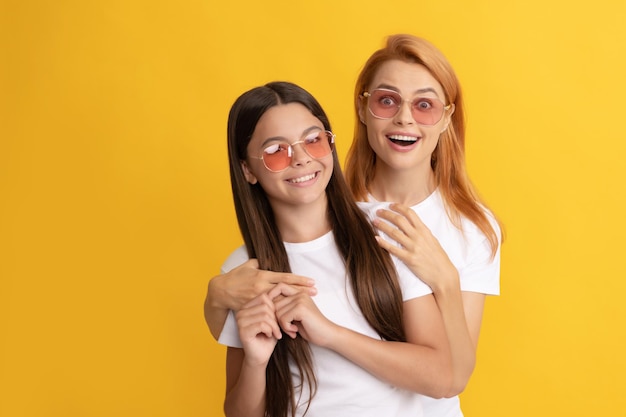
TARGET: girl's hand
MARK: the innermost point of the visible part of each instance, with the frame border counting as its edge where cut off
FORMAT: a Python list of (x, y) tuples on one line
[(247, 281), (419, 249), (297, 313), (258, 330)]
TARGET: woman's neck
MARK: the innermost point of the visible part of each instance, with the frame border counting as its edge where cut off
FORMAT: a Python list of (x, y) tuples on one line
[(405, 187)]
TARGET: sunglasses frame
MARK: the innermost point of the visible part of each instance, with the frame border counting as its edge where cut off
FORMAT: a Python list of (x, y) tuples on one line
[(331, 144), (368, 94)]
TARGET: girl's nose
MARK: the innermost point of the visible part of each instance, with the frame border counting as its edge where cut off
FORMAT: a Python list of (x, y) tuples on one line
[(298, 155)]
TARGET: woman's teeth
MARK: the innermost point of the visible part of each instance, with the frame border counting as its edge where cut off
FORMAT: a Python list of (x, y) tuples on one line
[(402, 138), (303, 179)]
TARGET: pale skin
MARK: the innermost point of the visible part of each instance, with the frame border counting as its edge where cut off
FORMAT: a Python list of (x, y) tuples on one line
[(422, 365)]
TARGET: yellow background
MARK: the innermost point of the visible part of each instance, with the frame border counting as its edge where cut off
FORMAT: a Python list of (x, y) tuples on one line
[(116, 209)]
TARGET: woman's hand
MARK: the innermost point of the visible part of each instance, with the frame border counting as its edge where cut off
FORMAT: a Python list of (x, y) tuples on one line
[(419, 249), (247, 281)]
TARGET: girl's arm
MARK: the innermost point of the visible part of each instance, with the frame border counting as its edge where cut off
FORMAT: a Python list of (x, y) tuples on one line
[(461, 311), (422, 365), (245, 368), (230, 291)]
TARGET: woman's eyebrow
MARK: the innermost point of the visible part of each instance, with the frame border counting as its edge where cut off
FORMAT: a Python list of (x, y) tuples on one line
[(418, 91), (427, 90)]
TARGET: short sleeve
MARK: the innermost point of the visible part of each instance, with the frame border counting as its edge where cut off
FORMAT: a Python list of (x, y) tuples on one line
[(411, 285), (481, 272), (230, 331)]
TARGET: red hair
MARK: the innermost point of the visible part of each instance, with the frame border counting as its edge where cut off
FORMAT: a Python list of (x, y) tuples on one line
[(448, 159)]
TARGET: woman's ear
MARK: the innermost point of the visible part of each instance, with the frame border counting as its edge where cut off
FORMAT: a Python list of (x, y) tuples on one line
[(247, 173), (361, 111), (448, 117)]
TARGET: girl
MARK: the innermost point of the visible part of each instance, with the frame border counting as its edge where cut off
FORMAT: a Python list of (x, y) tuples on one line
[(373, 335)]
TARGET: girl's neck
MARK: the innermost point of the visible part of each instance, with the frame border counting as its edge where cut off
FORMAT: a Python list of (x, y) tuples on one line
[(404, 187), (304, 223)]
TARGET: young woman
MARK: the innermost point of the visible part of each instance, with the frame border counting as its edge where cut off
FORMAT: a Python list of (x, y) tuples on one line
[(372, 337), (409, 142)]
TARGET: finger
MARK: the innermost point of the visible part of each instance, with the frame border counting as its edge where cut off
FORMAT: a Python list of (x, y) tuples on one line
[(288, 326), (393, 232), (258, 300), (275, 330), (395, 219), (395, 250), (266, 328), (289, 311), (390, 216), (299, 282), (282, 289), (291, 279), (307, 290), (408, 213), (262, 313)]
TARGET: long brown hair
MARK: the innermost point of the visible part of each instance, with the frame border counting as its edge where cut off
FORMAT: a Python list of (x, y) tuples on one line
[(371, 271), (448, 159)]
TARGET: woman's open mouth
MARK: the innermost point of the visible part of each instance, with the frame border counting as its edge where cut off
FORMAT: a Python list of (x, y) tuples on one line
[(403, 140)]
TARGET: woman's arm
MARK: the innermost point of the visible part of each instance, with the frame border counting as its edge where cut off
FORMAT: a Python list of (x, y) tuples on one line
[(422, 365), (461, 311), (230, 291), (462, 316)]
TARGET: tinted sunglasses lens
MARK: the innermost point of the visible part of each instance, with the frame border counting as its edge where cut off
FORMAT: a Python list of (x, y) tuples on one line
[(426, 111), (384, 104), (319, 146), (277, 157)]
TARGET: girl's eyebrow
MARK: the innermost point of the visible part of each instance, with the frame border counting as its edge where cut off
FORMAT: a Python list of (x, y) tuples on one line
[(284, 139)]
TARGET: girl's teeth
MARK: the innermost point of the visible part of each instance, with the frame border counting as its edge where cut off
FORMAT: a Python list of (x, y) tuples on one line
[(303, 179)]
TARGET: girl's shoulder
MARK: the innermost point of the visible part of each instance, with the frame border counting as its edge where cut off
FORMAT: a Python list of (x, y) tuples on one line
[(236, 258)]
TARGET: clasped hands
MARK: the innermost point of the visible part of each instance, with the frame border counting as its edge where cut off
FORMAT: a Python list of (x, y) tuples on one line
[(283, 307)]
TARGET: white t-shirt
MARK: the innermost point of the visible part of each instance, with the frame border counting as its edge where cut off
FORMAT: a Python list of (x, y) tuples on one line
[(344, 389), (470, 253)]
